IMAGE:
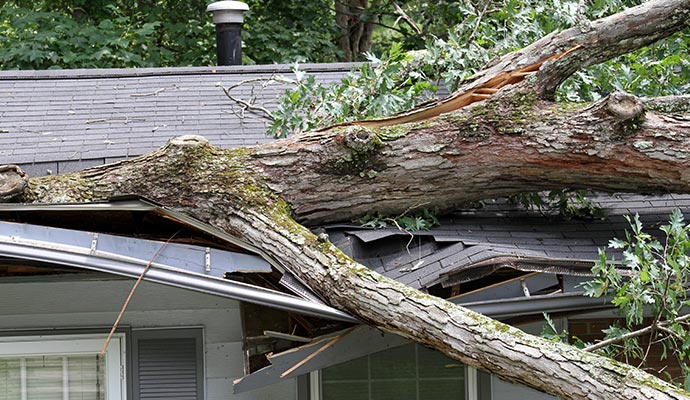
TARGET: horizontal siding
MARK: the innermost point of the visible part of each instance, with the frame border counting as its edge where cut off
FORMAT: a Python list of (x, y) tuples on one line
[(88, 304), (103, 296)]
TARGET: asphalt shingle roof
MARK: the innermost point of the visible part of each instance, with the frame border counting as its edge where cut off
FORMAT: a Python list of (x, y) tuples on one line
[(66, 120), (498, 234)]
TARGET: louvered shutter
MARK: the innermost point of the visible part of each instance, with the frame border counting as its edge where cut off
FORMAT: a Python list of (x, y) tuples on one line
[(167, 367)]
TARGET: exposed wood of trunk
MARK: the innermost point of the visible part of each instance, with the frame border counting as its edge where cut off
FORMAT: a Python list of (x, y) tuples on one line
[(515, 141)]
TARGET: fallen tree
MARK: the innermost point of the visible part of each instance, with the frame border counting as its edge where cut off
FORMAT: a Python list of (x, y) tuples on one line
[(509, 138)]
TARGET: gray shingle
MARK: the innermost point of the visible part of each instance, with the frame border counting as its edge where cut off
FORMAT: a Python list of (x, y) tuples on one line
[(485, 234), (145, 107), (40, 169), (71, 166)]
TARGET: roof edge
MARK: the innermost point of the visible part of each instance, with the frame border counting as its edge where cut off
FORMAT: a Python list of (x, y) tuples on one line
[(169, 71)]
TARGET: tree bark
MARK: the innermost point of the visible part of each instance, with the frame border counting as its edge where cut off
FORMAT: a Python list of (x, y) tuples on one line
[(517, 140)]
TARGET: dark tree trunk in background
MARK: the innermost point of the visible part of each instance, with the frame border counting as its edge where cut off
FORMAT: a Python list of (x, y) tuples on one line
[(356, 25)]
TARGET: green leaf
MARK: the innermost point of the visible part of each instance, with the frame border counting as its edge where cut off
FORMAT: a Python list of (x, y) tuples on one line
[(617, 244)]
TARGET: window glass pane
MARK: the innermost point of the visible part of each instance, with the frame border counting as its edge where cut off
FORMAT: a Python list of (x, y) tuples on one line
[(86, 377), (355, 369), (395, 363), (47, 377), (345, 391), (442, 389), (394, 389), (502, 390), (43, 378), (436, 365), (10, 380)]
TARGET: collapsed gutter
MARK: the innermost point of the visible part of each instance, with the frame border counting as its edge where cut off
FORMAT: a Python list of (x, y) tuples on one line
[(87, 257)]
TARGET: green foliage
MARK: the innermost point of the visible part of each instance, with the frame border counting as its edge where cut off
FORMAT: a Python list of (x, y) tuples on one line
[(288, 31), (657, 70), (54, 34), (402, 80), (486, 30), (662, 68), (550, 332), (422, 220), (652, 280), (374, 89)]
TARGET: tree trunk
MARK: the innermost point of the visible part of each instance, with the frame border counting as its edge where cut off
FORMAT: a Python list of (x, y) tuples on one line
[(356, 25), (515, 141)]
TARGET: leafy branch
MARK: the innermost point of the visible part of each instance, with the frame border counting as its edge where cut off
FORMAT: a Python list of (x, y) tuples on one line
[(653, 280), (421, 220)]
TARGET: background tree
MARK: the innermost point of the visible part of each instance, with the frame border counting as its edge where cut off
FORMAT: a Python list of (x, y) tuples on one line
[(40, 34), (46, 34)]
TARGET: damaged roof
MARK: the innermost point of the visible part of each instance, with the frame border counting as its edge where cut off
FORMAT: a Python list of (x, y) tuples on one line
[(61, 121), (200, 258), (471, 244)]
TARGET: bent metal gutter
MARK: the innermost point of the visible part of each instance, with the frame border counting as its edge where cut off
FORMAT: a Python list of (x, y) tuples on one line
[(117, 264)]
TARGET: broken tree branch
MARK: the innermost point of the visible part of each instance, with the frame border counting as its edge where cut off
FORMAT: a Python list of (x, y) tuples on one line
[(131, 294), (249, 104), (640, 332)]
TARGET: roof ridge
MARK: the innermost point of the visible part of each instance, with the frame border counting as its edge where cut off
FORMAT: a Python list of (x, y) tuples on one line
[(54, 74)]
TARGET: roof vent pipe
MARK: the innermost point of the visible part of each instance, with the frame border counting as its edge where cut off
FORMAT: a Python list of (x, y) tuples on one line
[(227, 15)]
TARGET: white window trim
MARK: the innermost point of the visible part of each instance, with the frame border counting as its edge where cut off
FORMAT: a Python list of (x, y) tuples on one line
[(26, 346), (471, 383), (315, 385)]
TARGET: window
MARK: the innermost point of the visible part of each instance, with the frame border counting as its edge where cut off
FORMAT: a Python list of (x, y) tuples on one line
[(61, 368), (409, 372), (502, 390)]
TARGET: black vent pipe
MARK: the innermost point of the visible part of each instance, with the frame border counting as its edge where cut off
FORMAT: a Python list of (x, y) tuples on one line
[(227, 16)]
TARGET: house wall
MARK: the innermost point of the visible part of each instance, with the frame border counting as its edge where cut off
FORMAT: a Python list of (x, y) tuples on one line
[(57, 303)]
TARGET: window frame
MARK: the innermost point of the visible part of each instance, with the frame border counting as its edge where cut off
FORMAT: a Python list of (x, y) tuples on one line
[(75, 344)]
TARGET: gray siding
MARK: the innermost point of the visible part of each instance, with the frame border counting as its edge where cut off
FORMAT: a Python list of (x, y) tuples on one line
[(59, 304)]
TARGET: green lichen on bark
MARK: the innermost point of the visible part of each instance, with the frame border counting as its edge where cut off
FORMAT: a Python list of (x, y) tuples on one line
[(68, 188), (390, 133), (509, 114)]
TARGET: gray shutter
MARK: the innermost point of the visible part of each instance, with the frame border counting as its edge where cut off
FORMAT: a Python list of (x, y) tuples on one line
[(167, 367)]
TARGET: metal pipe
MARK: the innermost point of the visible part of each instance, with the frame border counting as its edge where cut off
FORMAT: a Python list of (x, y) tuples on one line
[(227, 15)]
